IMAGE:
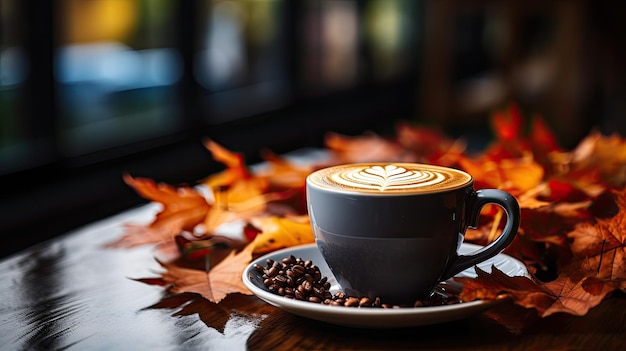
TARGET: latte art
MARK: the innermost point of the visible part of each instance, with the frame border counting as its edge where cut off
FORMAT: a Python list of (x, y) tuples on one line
[(390, 178)]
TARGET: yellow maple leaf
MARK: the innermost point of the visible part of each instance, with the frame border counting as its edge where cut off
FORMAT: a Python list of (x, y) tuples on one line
[(278, 232)]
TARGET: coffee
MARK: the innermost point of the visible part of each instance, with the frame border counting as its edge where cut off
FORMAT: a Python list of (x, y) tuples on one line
[(402, 178), (392, 230)]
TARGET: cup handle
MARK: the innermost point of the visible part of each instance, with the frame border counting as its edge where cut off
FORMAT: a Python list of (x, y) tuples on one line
[(476, 201)]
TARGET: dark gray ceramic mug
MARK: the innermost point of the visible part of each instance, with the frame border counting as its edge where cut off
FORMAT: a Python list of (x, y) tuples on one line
[(393, 230)]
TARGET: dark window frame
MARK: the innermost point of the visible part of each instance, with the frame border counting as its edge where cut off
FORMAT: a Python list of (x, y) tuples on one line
[(54, 197)]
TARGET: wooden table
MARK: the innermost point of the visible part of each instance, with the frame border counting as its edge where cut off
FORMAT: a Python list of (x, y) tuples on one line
[(71, 293)]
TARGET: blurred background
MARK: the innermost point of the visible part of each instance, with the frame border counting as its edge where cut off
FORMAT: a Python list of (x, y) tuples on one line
[(91, 89)]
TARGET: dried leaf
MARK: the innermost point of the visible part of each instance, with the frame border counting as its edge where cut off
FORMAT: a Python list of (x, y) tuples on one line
[(225, 278), (185, 280), (283, 174), (366, 148), (597, 160), (214, 285), (514, 175), (561, 295), (183, 209), (571, 237), (236, 168), (600, 248), (276, 233), (429, 145)]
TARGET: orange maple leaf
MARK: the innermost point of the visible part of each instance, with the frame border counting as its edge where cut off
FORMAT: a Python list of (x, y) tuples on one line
[(225, 278), (596, 163), (597, 268), (243, 201), (183, 209), (515, 175), (236, 168), (600, 248), (214, 285), (565, 294), (368, 147), (281, 173)]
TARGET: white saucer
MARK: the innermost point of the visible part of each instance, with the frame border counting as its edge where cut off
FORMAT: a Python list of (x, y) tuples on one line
[(373, 317)]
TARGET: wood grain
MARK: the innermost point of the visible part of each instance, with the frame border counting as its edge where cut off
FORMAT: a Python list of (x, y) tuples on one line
[(71, 293)]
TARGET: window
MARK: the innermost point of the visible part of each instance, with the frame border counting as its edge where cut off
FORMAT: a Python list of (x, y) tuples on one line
[(91, 89), (241, 60), (116, 71)]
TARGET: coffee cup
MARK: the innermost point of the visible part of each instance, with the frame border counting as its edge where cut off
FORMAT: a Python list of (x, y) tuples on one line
[(393, 230)]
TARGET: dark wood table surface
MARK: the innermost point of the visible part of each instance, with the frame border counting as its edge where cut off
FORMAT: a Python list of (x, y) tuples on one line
[(70, 293)]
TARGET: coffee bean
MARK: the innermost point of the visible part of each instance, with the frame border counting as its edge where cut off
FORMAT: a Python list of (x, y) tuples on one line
[(314, 299), (297, 270), (272, 272), (295, 278), (319, 292), (307, 286), (317, 275), (365, 302), (280, 280), (377, 302), (299, 295), (352, 301), (289, 260)]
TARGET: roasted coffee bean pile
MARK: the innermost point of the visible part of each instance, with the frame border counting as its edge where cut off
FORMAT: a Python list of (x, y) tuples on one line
[(300, 279)]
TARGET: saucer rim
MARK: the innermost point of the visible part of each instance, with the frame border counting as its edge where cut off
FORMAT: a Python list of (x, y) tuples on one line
[(369, 317)]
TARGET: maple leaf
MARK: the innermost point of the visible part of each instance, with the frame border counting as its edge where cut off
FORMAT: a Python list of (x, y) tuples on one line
[(367, 147), (276, 233), (542, 140), (558, 190), (566, 294), (597, 162), (597, 267), (515, 175), (547, 225), (571, 225), (180, 280), (215, 247), (507, 124), (214, 285), (430, 145), (508, 128), (183, 209), (236, 168), (225, 277), (243, 201), (600, 248), (542, 143), (282, 173)]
